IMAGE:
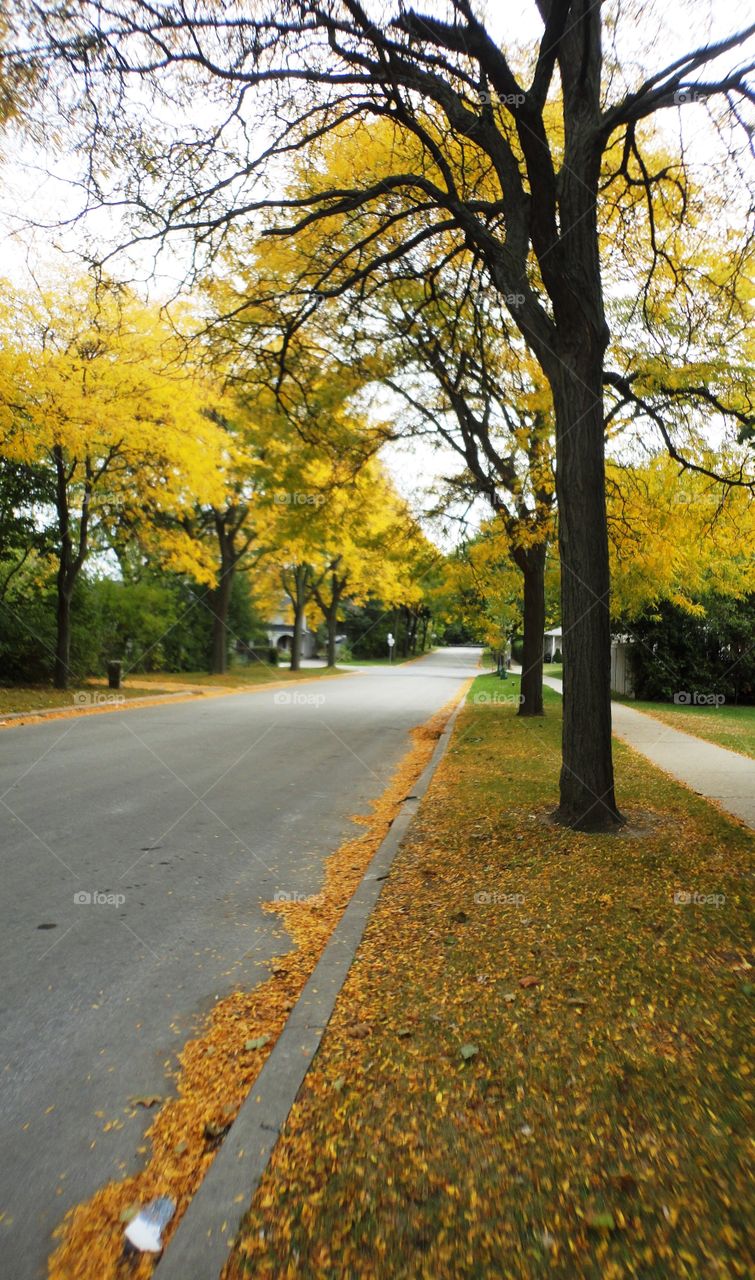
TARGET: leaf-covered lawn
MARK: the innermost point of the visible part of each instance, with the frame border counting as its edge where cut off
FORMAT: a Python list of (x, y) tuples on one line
[(539, 1062), (237, 677), (41, 697), (732, 727)]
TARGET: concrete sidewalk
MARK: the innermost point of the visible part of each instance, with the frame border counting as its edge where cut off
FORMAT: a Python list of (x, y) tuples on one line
[(711, 771)]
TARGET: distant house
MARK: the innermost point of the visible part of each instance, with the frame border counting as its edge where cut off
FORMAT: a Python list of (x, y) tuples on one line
[(621, 671), (281, 634), (551, 643)]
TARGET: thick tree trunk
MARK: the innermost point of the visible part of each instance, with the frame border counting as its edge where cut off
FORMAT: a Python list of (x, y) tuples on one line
[(329, 610), (221, 600), (332, 630), (69, 564), (532, 564), (296, 643), (587, 800), (62, 640), (405, 636), (423, 641)]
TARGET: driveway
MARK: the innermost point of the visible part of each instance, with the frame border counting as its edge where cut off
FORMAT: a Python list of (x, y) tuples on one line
[(137, 848)]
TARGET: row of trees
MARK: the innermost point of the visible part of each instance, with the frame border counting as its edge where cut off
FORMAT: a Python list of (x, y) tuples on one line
[(505, 220), (124, 450)]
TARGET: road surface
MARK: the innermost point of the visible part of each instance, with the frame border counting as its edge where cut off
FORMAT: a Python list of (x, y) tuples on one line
[(137, 847)]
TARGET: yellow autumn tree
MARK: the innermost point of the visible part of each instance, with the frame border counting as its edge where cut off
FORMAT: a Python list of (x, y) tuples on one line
[(675, 536), (94, 390)]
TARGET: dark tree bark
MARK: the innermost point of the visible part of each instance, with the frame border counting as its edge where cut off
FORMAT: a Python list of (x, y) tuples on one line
[(423, 641), (405, 615), (221, 599), (228, 528), (587, 799), (221, 596), (71, 555), (296, 642), (62, 666), (532, 564), (298, 586), (329, 608)]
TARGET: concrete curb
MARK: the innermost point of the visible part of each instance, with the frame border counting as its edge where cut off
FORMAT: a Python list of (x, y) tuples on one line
[(200, 1247)]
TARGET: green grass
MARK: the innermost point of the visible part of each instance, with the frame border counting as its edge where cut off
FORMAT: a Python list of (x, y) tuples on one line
[(595, 1125), (727, 726)]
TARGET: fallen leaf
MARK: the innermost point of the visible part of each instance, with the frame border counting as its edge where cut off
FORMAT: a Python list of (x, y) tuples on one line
[(600, 1220), (258, 1042), (213, 1130)]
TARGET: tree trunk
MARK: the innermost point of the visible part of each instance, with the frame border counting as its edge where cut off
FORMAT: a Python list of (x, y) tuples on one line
[(299, 601), (62, 640), (69, 563), (332, 629), (405, 636), (296, 643), (532, 564), (221, 600), (587, 800), (423, 642)]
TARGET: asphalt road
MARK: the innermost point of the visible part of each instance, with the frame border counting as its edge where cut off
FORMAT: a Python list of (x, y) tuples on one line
[(175, 822)]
